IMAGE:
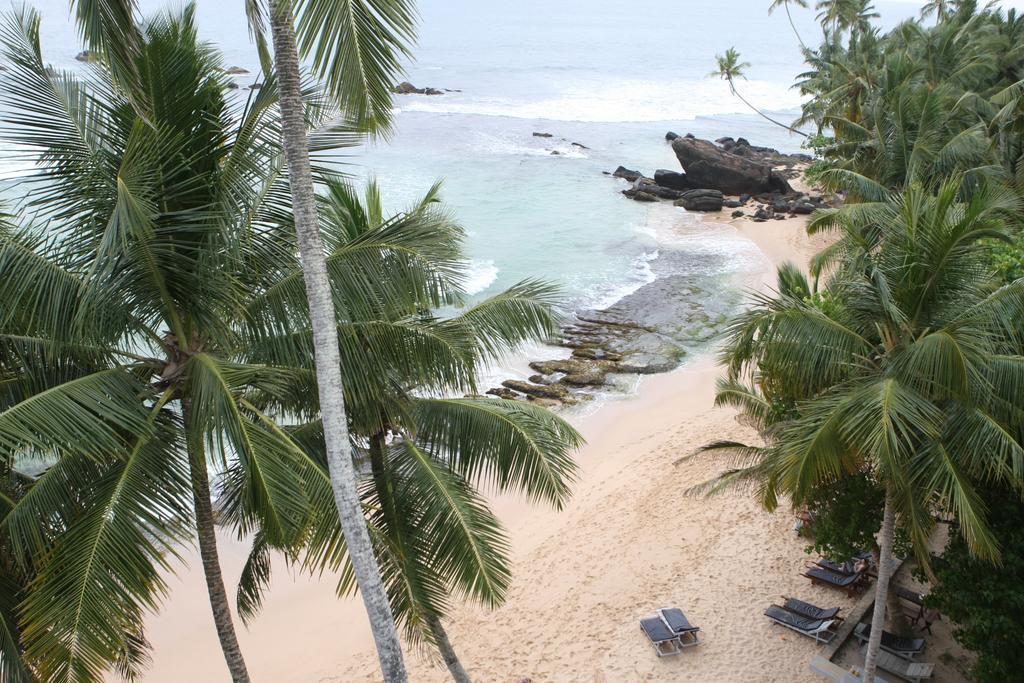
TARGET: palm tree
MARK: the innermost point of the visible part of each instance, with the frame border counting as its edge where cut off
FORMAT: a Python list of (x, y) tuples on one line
[(839, 16), (354, 47), (434, 534), (940, 8), (123, 293), (785, 4), (906, 368), (729, 69)]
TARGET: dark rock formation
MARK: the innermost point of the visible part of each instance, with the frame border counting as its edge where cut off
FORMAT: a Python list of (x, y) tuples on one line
[(407, 88), (581, 146), (640, 195), (672, 179), (670, 136), (701, 200), (628, 174), (732, 203), (542, 135), (709, 166), (738, 214)]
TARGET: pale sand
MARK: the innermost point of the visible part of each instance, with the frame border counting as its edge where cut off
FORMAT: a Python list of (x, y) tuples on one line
[(629, 542)]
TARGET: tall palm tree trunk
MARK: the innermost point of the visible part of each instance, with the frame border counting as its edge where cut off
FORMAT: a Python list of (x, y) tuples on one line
[(885, 543), (451, 660), (211, 563), (760, 113), (800, 40), (325, 340)]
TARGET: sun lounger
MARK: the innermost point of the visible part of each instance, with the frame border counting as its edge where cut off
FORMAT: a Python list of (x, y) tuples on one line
[(663, 640), (847, 582), (907, 648), (819, 629), (680, 625), (844, 568), (915, 672), (806, 609)]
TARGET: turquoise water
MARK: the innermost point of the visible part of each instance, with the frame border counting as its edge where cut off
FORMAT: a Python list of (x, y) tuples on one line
[(611, 76)]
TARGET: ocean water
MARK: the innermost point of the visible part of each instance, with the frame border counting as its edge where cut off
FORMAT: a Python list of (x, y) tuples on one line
[(611, 76)]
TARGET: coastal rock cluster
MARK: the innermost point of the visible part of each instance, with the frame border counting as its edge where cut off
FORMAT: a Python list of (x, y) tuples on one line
[(727, 173), (646, 332), (407, 88)]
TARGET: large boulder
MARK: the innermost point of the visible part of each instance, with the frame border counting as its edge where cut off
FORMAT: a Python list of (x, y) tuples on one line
[(701, 200), (672, 179), (709, 166)]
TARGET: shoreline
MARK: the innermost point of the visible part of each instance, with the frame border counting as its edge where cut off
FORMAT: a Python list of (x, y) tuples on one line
[(628, 542)]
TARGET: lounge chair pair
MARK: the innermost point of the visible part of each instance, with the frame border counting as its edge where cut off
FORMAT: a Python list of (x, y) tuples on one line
[(670, 631), (851, 583), (915, 672), (805, 618), (907, 648)]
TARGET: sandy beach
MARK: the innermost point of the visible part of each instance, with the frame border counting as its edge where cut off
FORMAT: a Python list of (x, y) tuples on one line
[(630, 541)]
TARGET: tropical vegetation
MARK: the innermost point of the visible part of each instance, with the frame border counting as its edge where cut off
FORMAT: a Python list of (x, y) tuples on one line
[(895, 373), (156, 328)]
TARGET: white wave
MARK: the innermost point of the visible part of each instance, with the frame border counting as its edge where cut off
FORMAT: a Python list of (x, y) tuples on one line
[(632, 100), (540, 147), (482, 275), (640, 274)]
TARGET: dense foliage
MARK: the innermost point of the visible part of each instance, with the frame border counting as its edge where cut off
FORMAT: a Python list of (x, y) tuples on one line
[(986, 604), (155, 327), (901, 377)]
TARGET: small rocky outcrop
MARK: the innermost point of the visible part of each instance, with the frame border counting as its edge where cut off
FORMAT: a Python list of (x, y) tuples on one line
[(627, 173), (235, 71), (87, 56), (555, 392), (670, 136), (701, 200), (542, 135), (407, 88), (503, 392)]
